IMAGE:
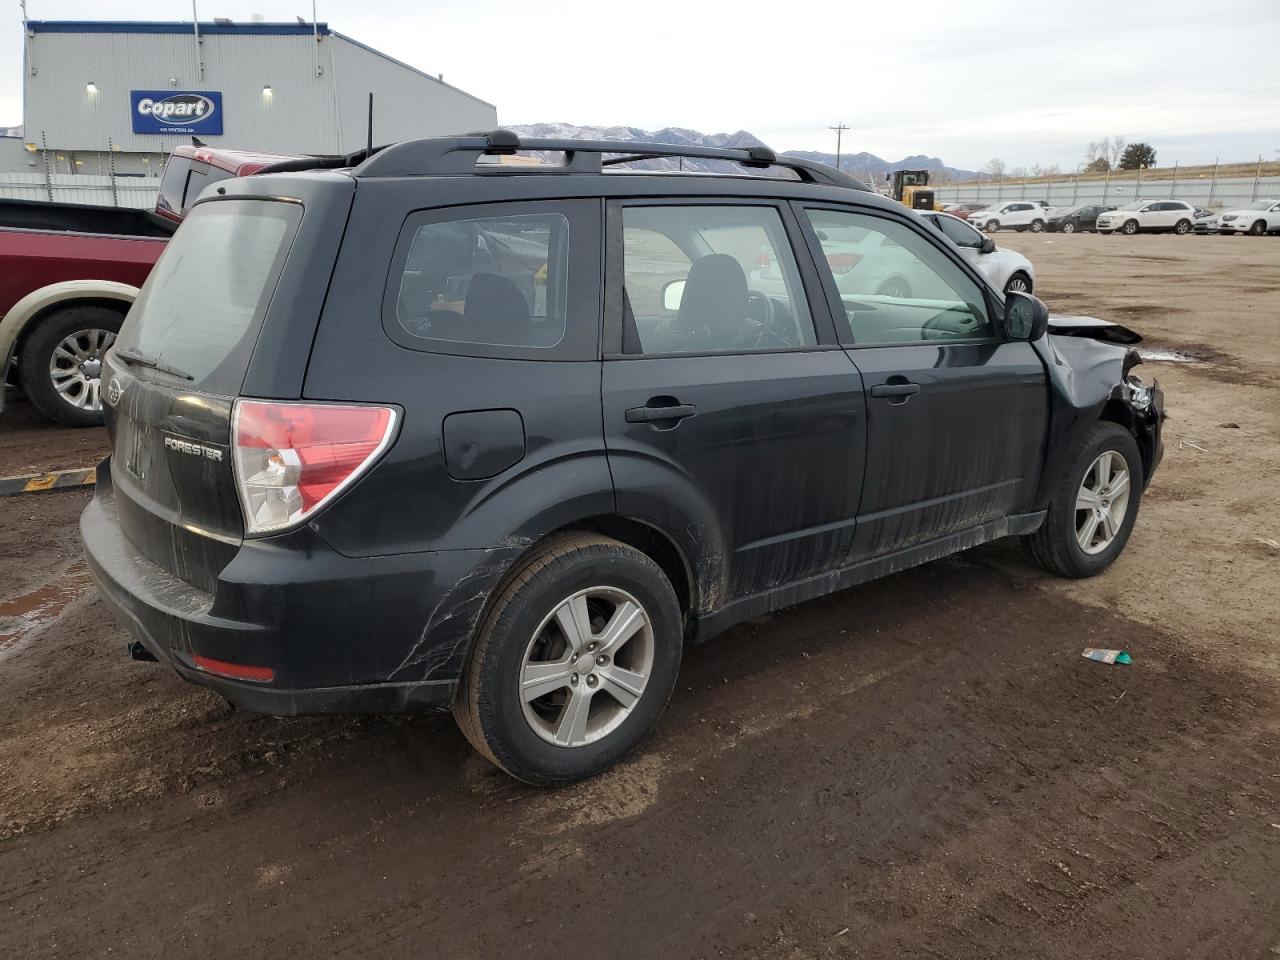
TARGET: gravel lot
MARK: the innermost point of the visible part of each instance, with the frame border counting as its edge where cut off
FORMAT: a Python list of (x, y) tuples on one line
[(923, 766)]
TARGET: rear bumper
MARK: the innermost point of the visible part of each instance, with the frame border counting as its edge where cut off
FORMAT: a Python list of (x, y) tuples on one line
[(341, 634)]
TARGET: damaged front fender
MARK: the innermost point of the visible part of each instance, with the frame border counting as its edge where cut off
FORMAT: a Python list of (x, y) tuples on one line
[(1090, 368)]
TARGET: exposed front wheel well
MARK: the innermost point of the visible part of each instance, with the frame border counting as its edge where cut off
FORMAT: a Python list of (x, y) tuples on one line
[(1119, 412)]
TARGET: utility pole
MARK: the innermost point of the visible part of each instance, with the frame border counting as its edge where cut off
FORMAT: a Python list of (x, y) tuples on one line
[(1253, 195), (839, 128)]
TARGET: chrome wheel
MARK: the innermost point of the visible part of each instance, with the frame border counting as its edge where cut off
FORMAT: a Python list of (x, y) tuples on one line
[(586, 666), (1017, 284), (75, 368), (1068, 227), (1102, 502)]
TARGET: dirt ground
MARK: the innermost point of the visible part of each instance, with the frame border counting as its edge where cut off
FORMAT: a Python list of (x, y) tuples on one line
[(920, 767)]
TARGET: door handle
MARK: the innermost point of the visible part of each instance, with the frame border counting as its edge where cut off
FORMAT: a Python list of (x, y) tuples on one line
[(658, 414), (902, 390)]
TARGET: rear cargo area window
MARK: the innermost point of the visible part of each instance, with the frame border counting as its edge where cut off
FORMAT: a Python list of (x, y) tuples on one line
[(498, 281), (202, 306)]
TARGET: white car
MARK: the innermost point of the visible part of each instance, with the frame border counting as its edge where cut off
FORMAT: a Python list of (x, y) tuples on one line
[(1261, 216), (1016, 215), (1149, 216), (1005, 270)]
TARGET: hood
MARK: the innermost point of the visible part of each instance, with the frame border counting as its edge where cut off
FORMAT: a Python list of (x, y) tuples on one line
[(1092, 328)]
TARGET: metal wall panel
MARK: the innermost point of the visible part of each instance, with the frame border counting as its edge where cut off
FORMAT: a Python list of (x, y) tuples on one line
[(300, 115)]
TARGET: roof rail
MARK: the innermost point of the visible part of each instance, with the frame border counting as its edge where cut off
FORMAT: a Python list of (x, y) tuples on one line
[(455, 155)]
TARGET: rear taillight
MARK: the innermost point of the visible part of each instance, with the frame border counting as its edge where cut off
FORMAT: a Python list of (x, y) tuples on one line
[(293, 458), (842, 263)]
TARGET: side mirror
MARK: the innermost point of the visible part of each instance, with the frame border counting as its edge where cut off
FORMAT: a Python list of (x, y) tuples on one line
[(1025, 317), (672, 294), (987, 246)]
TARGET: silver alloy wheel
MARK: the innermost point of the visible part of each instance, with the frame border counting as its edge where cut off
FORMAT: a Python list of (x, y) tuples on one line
[(1017, 284), (1037, 226), (1130, 227), (75, 367), (1102, 502), (586, 666), (992, 226), (1068, 227)]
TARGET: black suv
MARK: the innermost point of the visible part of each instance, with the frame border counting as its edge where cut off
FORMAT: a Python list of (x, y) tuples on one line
[(1077, 218), (439, 430)]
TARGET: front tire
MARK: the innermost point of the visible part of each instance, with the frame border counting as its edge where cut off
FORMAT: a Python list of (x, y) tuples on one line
[(574, 663), (1182, 227), (1130, 228), (60, 367), (1258, 228), (992, 226), (1068, 227), (1094, 505), (1018, 283)]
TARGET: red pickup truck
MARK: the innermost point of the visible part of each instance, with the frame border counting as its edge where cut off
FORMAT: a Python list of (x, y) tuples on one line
[(69, 273)]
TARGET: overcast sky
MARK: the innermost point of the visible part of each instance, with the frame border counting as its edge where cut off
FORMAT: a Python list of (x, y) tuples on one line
[(1026, 81)]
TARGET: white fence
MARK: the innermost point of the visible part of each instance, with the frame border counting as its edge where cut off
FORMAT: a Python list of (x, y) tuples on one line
[(106, 191), (1213, 193)]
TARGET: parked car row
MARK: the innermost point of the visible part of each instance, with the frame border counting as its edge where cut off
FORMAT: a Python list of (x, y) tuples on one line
[(1139, 216)]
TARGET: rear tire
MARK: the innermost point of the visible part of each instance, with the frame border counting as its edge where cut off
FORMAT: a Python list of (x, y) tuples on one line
[(1057, 545), (576, 727), (1037, 226), (1182, 227), (1130, 228), (60, 367)]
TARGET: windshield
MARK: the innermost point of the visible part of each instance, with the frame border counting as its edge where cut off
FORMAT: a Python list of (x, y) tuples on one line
[(202, 305), (1135, 205)]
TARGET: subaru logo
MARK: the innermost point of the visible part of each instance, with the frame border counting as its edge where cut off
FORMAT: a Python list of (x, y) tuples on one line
[(180, 109), (114, 391)]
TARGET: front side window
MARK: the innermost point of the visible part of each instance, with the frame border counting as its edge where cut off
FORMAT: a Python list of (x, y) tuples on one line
[(494, 281), (710, 279), (898, 288)]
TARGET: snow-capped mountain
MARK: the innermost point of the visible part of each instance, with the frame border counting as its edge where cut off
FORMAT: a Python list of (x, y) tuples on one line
[(865, 166)]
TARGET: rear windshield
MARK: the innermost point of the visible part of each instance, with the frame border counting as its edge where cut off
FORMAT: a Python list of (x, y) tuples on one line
[(200, 309)]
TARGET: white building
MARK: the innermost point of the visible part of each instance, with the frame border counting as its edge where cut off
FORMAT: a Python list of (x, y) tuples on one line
[(102, 92)]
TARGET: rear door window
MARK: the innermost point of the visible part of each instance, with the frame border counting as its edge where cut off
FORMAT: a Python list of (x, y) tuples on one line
[(202, 306), (713, 279)]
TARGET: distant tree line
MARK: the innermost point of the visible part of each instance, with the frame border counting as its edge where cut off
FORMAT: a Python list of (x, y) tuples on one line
[(1101, 156)]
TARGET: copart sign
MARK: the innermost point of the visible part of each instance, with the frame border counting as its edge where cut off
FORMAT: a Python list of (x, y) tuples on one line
[(176, 111)]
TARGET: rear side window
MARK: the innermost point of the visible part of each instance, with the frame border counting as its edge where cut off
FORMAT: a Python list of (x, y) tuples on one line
[(497, 281), (202, 306)]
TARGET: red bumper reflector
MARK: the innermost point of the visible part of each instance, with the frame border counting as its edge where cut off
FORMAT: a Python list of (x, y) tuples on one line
[(235, 671)]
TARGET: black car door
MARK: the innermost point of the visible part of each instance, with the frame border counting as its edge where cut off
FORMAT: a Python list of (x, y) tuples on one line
[(956, 413), (733, 419)]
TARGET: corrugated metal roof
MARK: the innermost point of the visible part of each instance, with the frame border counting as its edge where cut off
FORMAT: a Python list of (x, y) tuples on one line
[(174, 26)]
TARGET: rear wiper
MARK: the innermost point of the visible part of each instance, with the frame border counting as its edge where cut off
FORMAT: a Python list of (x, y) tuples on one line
[(142, 360)]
